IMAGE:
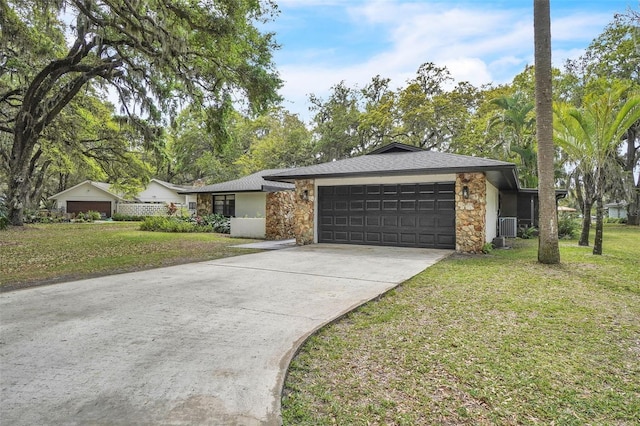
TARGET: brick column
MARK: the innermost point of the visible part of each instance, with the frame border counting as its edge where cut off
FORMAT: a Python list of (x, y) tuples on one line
[(303, 224), (471, 212)]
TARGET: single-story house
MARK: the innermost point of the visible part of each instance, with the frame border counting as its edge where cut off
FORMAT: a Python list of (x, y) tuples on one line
[(401, 195), (258, 208), (617, 210), (103, 198)]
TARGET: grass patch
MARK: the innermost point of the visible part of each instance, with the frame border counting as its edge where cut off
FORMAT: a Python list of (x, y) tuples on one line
[(495, 339), (53, 252)]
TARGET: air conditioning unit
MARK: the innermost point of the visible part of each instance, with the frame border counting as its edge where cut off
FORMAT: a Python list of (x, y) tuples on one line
[(508, 227)]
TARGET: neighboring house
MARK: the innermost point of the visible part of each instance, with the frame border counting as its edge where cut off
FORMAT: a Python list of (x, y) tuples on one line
[(399, 195), (101, 197), (257, 208), (88, 196), (158, 191), (617, 210)]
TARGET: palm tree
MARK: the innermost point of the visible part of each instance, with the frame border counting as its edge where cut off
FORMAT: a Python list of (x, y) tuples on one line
[(548, 250), (591, 135), (516, 123)]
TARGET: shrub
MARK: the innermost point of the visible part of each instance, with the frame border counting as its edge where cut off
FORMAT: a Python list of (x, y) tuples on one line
[(167, 224), (567, 227), (209, 223), (91, 215), (219, 222), (527, 232), (487, 248), (4, 221)]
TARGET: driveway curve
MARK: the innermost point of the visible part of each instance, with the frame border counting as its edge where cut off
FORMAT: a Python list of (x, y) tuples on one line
[(203, 343)]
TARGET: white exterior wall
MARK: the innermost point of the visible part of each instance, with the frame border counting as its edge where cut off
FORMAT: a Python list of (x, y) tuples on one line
[(491, 218), (248, 227), (372, 180), (156, 193), (251, 204), (85, 192), (618, 212)]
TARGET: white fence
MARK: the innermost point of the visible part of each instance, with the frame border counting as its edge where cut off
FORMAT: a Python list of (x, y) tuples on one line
[(143, 209)]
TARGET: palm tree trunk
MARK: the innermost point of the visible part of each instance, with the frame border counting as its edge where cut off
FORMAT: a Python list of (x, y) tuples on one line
[(597, 243), (548, 248), (586, 223)]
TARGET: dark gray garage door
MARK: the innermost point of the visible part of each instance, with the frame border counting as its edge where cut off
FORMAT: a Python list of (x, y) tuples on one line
[(85, 206), (410, 215)]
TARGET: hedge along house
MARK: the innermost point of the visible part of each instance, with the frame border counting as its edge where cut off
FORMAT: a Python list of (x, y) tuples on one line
[(257, 208), (401, 195)]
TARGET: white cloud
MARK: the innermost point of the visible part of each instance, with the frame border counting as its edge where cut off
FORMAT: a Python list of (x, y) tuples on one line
[(476, 43)]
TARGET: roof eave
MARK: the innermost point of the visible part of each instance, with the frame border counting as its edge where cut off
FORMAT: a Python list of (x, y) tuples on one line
[(410, 172)]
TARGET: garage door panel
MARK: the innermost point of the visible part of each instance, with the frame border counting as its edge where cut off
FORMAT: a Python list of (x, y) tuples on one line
[(391, 221), (446, 240), (390, 238), (408, 221), (426, 205), (357, 191), (390, 205), (341, 205), (446, 205), (408, 238), (341, 190), (356, 237), (356, 221), (412, 215), (374, 205), (390, 189), (427, 239), (356, 205), (341, 236), (427, 222), (408, 189), (373, 221), (373, 237), (103, 207), (341, 220), (373, 190), (408, 205)]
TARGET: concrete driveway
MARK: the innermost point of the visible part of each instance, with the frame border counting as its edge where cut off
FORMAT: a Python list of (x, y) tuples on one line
[(203, 343)]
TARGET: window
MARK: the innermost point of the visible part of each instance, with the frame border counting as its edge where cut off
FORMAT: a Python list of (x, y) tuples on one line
[(224, 205), (192, 205)]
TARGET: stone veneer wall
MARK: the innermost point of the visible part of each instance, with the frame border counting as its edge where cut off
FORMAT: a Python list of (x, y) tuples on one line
[(279, 215), (303, 217), (204, 204), (471, 212)]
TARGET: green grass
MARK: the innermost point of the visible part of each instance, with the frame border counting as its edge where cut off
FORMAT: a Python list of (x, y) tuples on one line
[(48, 253), (495, 339)]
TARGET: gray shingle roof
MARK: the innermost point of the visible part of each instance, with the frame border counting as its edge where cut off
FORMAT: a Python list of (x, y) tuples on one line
[(394, 163), (251, 183)]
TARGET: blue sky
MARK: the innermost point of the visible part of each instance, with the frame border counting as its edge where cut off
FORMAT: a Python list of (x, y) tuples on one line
[(326, 41)]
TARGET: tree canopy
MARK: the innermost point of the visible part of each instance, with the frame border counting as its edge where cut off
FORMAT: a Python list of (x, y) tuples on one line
[(156, 55)]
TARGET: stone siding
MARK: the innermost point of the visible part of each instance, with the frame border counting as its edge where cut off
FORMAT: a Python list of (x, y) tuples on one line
[(471, 212), (303, 216), (280, 211), (204, 204)]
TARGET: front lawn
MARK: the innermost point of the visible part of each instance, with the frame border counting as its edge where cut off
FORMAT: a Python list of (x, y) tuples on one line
[(496, 339), (53, 252)]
